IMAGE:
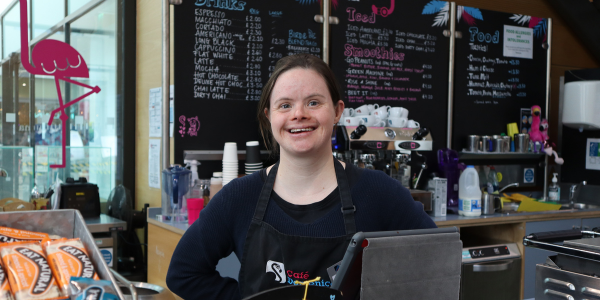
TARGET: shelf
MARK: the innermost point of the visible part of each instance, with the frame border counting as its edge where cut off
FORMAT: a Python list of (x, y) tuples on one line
[(201, 155), (509, 155)]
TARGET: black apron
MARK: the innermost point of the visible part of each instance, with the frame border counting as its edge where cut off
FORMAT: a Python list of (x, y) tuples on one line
[(272, 259)]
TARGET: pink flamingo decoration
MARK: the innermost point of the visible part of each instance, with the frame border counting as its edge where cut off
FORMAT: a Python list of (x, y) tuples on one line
[(54, 58), (384, 11)]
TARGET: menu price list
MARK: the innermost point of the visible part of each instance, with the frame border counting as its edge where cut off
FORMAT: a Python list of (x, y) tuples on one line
[(489, 73), (391, 56), (235, 51), (490, 79), (379, 65)]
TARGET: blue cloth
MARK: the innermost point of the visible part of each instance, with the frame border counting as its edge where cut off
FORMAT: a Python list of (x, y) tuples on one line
[(382, 204)]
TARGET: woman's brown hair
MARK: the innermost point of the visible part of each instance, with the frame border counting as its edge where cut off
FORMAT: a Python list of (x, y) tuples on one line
[(304, 61)]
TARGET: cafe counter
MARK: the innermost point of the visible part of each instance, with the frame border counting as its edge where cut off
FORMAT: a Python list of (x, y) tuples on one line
[(485, 229)]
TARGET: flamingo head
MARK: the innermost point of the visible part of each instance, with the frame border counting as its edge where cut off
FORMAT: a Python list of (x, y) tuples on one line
[(56, 58), (536, 110)]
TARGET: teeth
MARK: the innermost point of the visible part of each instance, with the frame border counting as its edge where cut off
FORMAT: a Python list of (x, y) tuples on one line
[(300, 130)]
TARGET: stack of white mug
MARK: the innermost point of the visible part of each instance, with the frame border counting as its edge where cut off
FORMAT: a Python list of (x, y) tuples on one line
[(373, 115), (230, 162)]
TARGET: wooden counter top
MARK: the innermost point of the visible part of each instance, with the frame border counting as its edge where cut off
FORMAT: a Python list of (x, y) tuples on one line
[(516, 217), (460, 221)]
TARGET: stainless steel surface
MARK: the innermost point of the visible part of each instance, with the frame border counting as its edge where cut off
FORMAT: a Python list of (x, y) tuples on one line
[(485, 143), (390, 133), (574, 191), (491, 267), (128, 284), (326, 30), (496, 280), (65, 223), (567, 250), (573, 285), (506, 140), (515, 184), (560, 283), (473, 143), (166, 83), (451, 74), (522, 143), (105, 223), (217, 154), (498, 144), (155, 292), (586, 244), (510, 206), (548, 63), (488, 206)]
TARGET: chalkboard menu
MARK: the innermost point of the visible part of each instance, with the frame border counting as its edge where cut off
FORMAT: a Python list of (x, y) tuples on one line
[(225, 52), (500, 67), (394, 53)]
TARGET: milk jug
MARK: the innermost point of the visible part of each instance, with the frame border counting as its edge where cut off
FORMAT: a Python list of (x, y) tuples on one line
[(469, 194)]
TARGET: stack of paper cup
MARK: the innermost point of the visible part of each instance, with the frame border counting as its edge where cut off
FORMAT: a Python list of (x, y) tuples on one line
[(253, 162), (230, 163)]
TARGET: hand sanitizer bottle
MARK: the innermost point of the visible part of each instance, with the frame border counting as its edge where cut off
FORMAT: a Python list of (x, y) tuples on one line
[(554, 190)]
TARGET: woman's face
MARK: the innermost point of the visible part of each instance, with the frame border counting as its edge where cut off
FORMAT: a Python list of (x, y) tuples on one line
[(302, 114)]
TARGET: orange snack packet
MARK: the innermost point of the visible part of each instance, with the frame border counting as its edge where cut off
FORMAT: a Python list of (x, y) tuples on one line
[(29, 273), (69, 258), (5, 293), (10, 235)]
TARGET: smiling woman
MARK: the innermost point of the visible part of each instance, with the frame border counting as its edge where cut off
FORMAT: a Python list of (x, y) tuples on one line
[(294, 219)]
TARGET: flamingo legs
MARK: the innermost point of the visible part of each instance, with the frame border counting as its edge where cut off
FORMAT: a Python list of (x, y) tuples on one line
[(63, 116)]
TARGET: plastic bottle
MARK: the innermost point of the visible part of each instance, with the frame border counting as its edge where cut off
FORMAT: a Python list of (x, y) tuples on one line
[(554, 190), (194, 168), (493, 185), (469, 194)]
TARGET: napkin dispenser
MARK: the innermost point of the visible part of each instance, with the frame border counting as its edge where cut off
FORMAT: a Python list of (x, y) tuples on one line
[(81, 195)]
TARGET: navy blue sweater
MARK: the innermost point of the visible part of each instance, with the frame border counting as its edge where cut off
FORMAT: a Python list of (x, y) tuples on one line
[(382, 204)]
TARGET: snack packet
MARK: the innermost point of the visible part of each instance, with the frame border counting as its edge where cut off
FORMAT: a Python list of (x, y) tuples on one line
[(29, 273), (10, 235), (5, 293), (89, 289), (69, 258)]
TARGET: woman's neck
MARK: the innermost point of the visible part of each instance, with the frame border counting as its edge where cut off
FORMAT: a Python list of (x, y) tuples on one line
[(305, 180)]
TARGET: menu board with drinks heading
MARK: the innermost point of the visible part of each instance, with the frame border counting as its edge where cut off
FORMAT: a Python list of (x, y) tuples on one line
[(500, 67), (225, 52), (394, 53)]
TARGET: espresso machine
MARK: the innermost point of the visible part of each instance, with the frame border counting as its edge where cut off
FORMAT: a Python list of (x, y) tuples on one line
[(387, 149), (381, 138)]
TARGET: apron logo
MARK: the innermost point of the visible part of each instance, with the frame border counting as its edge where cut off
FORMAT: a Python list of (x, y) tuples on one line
[(332, 297), (278, 269)]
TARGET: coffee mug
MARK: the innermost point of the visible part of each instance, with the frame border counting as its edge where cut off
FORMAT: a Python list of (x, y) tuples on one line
[(380, 113), (348, 112), (351, 121), (372, 107), (398, 112), (397, 122), (371, 121), (362, 111), (413, 124)]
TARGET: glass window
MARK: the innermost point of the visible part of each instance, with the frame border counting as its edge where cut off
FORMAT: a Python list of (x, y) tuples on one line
[(11, 33), (91, 136), (93, 119), (46, 13), (74, 5)]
